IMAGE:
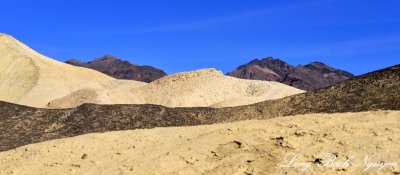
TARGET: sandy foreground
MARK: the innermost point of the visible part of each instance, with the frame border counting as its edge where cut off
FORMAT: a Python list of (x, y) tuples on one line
[(345, 143)]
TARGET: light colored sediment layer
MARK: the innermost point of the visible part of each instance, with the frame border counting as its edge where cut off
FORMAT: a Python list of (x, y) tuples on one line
[(108, 92), (30, 78), (201, 88), (209, 87), (252, 147)]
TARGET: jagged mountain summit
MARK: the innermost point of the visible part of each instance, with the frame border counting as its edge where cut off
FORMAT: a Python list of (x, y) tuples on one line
[(312, 76), (120, 69)]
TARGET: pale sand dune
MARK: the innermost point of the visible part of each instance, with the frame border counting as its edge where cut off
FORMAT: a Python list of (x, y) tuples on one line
[(32, 79), (252, 147), (208, 87), (201, 88)]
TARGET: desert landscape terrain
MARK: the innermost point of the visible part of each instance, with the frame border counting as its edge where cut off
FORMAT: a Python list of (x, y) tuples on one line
[(47, 83), (246, 147), (56, 118), (200, 88)]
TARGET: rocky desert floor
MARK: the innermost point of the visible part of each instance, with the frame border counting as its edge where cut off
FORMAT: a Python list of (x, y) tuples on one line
[(339, 143)]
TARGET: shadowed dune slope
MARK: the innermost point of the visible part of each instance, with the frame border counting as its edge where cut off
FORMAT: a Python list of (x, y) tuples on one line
[(20, 125)]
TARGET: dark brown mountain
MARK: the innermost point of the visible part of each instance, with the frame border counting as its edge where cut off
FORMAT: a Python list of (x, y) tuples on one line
[(21, 125), (312, 76), (121, 69)]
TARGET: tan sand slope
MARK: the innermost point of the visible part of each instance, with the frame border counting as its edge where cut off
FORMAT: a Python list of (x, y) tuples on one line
[(109, 92), (201, 88), (247, 147), (206, 87), (30, 78)]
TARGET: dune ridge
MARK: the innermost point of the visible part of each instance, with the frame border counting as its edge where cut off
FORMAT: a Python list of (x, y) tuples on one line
[(200, 88), (207, 87)]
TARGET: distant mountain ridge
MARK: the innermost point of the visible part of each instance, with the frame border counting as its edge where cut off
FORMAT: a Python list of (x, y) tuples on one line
[(312, 76), (120, 69)]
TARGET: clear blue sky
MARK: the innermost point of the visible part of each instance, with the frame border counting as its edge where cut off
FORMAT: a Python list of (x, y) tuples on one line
[(354, 35)]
